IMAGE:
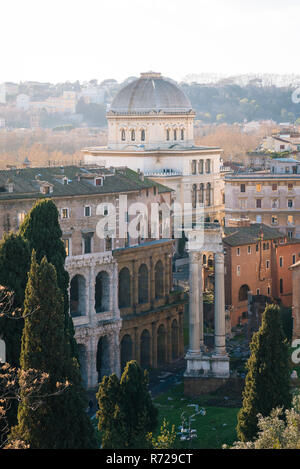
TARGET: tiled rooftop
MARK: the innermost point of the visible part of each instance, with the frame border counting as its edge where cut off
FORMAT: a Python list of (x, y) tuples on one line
[(71, 181)]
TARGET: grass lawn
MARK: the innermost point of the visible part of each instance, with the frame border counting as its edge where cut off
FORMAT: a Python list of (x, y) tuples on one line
[(214, 429)]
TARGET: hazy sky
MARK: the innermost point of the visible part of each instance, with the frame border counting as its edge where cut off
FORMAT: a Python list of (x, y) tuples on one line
[(58, 40)]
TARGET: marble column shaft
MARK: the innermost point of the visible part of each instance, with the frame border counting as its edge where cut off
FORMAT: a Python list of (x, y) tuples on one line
[(194, 316), (220, 348)]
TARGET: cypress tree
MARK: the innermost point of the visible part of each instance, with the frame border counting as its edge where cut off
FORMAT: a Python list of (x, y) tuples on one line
[(267, 383), (126, 411), (60, 421), (42, 230), (14, 267)]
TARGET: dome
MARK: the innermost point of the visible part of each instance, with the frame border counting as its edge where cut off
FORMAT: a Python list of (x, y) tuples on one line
[(150, 92)]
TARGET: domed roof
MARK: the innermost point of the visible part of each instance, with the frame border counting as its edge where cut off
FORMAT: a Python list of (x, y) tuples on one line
[(150, 92)]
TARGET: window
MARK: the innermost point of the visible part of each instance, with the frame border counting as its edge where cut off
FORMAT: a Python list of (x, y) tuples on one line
[(194, 196), (123, 136), (267, 264), (280, 261), (258, 203), (208, 194), (154, 190), (168, 134), (207, 166), (294, 259), (258, 219), (249, 249), (290, 203), (87, 211), (243, 188), (67, 246), (105, 210), (256, 248), (243, 293), (290, 234), (194, 167), (175, 134), (200, 166), (132, 135), (182, 134), (142, 135), (87, 244), (242, 203), (269, 290), (274, 220), (274, 187), (64, 213), (258, 291), (281, 286), (290, 220), (290, 186), (238, 252), (99, 182), (275, 203), (258, 187), (238, 270)]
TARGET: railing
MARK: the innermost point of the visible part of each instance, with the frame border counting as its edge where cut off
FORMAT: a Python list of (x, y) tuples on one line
[(163, 172)]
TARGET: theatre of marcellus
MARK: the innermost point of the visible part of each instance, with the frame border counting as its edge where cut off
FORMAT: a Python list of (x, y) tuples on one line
[(122, 299)]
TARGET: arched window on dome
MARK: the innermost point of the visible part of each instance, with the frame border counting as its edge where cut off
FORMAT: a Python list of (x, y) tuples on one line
[(168, 134), (175, 134), (142, 135), (182, 134), (123, 136), (132, 135)]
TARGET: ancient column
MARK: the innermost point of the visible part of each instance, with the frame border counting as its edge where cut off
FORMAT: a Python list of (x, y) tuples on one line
[(200, 288), (220, 348), (194, 316)]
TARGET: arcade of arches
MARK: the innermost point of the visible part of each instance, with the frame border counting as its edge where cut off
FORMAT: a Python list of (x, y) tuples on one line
[(152, 321), (122, 308)]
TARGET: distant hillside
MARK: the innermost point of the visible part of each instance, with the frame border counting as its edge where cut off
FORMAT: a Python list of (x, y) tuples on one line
[(228, 102)]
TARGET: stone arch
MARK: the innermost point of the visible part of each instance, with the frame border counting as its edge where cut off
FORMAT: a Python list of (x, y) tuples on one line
[(143, 284), (243, 292), (82, 355), (161, 345), (145, 349), (175, 339), (77, 296), (103, 357), (102, 297), (204, 259), (126, 350), (159, 279), (124, 288), (2, 351)]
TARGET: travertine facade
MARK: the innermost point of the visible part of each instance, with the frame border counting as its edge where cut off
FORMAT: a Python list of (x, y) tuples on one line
[(95, 265)]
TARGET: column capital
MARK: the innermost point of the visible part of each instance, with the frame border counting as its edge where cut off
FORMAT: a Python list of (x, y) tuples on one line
[(195, 256), (219, 257)]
